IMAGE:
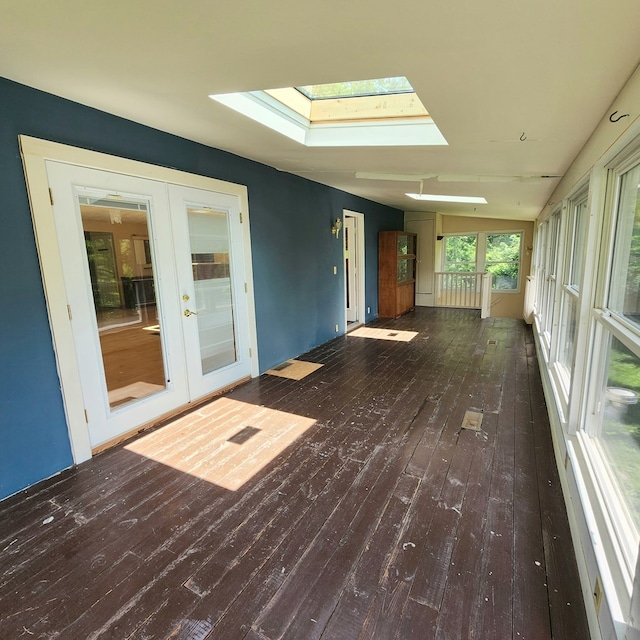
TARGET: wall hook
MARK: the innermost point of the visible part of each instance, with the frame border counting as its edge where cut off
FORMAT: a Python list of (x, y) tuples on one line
[(523, 137), (612, 119)]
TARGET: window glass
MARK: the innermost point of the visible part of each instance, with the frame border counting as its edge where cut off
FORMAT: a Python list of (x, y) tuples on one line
[(567, 344), (503, 259), (577, 253), (620, 431), (551, 273), (624, 298), (460, 253), (356, 88), (540, 270)]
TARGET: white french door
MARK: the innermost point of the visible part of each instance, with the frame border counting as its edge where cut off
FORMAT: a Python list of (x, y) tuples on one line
[(211, 282), (154, 278)]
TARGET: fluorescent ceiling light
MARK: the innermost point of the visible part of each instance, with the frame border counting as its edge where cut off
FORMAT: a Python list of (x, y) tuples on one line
[(439, 198)]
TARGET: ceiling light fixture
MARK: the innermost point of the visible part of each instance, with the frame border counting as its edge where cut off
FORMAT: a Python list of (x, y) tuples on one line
[(440, 198)]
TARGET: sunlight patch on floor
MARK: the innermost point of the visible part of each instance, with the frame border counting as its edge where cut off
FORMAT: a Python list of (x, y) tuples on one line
[(225, 442), (294, 369), (384, 334)]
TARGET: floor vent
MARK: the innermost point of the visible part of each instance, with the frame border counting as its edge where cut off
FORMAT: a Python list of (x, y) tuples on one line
[(472, 420)]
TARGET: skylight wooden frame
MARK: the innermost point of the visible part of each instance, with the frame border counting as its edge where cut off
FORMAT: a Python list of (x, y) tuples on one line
[(356, 109)]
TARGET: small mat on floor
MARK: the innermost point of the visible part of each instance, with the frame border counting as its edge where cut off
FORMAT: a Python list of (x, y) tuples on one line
[(384, 334), (294, 369)]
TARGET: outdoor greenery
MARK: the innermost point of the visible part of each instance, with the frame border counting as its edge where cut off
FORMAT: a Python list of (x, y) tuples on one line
[(355, 88), (460, 253), (502, 257), (632, 284), (621, 430)]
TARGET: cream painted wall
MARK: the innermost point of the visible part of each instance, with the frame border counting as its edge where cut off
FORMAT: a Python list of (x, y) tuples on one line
[(503, 304)]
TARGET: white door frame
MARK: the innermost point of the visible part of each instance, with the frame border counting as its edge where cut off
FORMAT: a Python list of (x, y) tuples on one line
[(34, 154), (358, 219)]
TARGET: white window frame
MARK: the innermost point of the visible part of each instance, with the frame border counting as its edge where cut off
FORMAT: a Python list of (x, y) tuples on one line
[(547, 291), (605, 325), (567, 293)]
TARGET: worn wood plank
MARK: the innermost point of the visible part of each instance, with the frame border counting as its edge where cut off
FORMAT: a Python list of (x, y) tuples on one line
[(529, 576), (381, 520), (566, 606)]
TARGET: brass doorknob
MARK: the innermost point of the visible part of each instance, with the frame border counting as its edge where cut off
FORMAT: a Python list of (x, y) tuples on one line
[(188, 313)]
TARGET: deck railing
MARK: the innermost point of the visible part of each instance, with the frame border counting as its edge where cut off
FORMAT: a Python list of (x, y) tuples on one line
[(464, 291)]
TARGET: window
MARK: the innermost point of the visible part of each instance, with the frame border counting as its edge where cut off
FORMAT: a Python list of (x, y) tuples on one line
[(357, 113), (460, 253), (496, 253), (624, 298), (546, 269), (502, 260), (619, 432), (570, 298), (614, 443)]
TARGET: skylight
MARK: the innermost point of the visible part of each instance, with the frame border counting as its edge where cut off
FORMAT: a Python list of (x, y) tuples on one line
[(356, 88), (361, 113)]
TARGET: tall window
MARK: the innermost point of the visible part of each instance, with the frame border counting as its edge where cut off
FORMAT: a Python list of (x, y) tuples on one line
[(575, 241), (548, 276), (615, 434), (496, 253)]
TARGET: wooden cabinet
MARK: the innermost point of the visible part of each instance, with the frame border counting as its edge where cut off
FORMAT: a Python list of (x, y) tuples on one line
[(396, 273)]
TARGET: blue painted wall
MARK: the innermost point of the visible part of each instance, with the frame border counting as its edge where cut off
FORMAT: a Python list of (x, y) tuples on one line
[(298, 299)]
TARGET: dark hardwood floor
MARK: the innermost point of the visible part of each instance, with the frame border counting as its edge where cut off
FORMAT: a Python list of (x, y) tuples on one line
[(348, 505)]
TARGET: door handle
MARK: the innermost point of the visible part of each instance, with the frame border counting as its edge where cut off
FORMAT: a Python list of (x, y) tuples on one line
[(188, 313)]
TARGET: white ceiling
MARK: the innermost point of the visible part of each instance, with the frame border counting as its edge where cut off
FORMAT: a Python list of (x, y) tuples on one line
[(489, 72)]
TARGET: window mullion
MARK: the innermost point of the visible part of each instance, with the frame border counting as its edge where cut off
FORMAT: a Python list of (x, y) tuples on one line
[(481, 253)]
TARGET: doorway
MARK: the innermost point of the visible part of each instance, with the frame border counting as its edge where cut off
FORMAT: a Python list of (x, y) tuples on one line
[(156, 280), (354, 273)]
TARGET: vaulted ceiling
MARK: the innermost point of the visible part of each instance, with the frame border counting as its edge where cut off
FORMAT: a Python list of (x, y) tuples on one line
[(515, 87)]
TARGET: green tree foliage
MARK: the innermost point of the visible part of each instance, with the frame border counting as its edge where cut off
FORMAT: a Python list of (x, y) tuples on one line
[(378, 86), (460, 253), (503, 259), (632, 285)]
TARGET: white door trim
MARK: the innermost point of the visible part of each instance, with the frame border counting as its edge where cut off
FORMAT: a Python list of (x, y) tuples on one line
[(34, 154), (359, 248)]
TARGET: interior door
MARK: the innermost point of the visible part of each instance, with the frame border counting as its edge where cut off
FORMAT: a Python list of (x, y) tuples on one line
[(175, 327), (351, 268), (424, 259)]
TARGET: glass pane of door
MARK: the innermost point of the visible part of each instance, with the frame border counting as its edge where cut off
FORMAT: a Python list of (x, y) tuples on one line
[(120, 261), (211, 269)]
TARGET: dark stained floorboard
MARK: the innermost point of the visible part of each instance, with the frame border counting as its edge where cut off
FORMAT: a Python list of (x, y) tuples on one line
[(384, 520)]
